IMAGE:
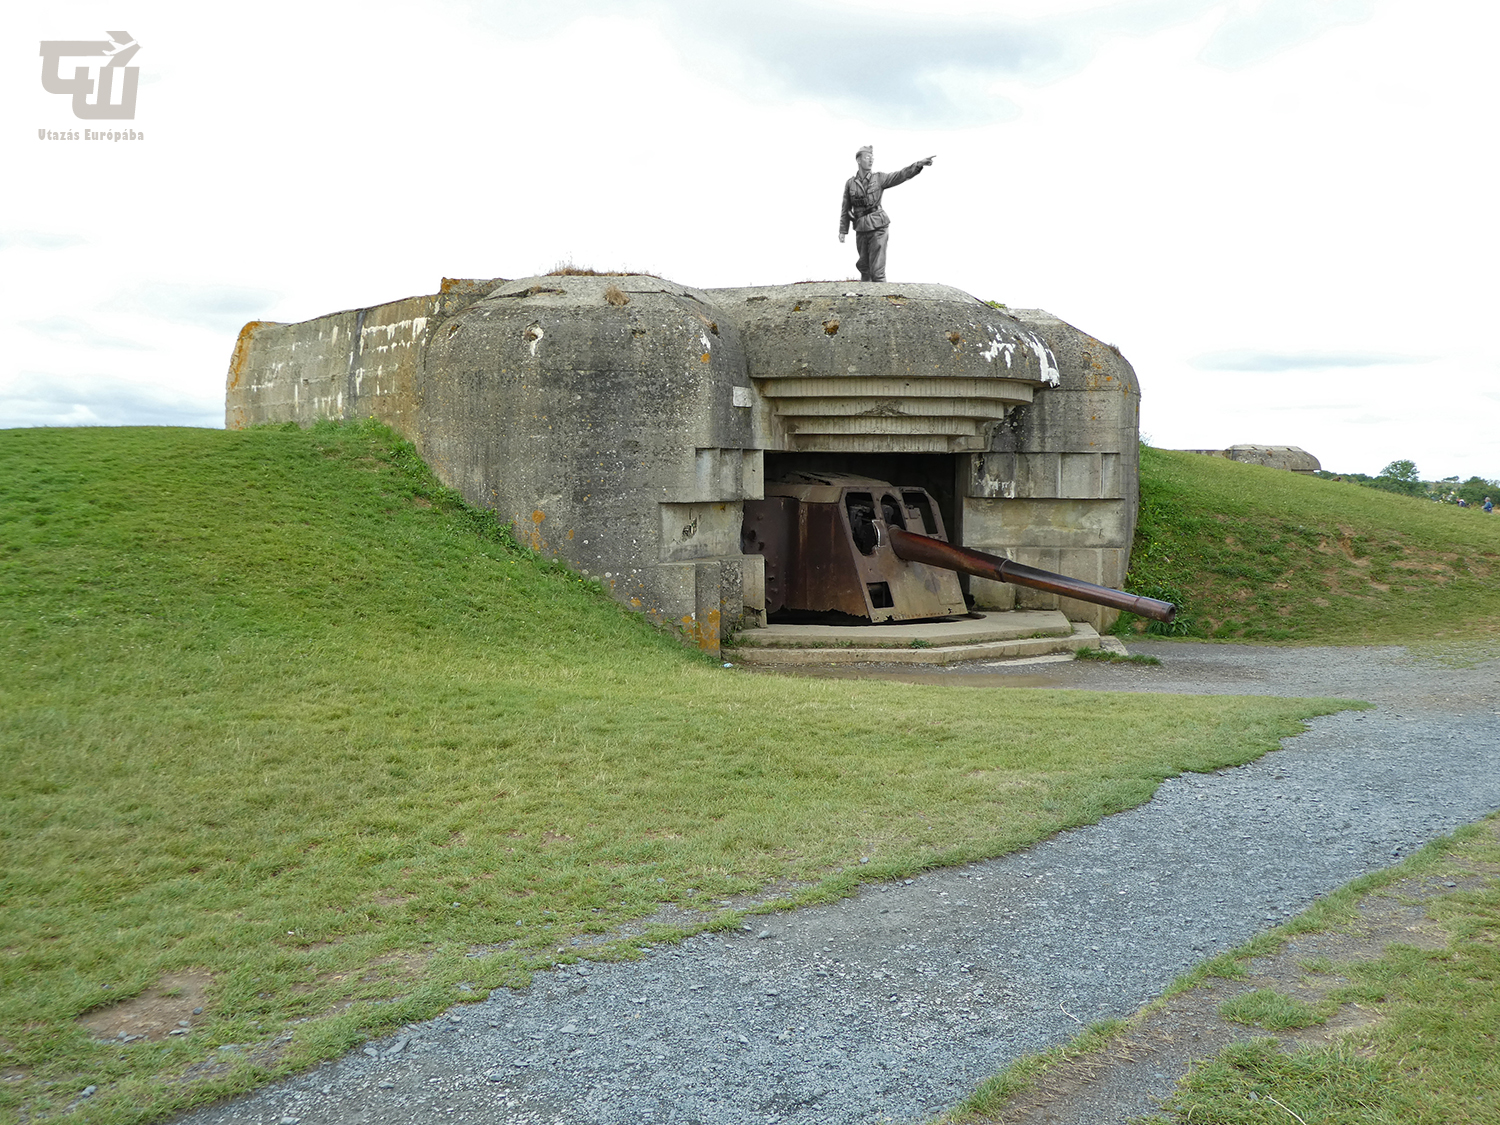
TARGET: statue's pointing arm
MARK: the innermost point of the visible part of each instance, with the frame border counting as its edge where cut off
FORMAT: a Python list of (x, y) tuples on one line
[(894, 178)]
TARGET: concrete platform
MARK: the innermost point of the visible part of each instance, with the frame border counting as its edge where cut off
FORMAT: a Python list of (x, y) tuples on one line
[(984, 636)]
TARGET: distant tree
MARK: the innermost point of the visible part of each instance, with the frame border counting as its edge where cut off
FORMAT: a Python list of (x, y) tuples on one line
[(1401, 470), (1400, 476)]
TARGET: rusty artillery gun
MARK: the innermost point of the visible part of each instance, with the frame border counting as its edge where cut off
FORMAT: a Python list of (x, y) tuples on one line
[(873, 550)]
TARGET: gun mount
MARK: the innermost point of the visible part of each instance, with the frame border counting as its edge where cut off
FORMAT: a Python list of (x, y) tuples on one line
[(870, 549)]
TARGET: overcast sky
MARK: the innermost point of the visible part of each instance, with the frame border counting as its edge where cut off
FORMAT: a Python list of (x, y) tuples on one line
[(1281, 211)]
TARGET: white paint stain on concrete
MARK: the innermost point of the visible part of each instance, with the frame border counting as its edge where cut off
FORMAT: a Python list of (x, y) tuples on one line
[(999, 345), (411, 328), (1050, 373)]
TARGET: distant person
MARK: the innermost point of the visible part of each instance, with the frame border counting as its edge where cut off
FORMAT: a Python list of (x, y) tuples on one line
[(1488, 507), (862, 210), (1462, 503)]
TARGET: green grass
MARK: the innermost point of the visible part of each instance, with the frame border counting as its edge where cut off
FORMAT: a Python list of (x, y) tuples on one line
[(1102, 656), (1272, 1010), (1431, 1058), (1254, 1083), (278, 708), (1250, 553)]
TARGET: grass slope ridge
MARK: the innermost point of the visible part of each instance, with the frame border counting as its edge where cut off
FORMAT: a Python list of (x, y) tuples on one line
[(1259, 554), (278, 710)]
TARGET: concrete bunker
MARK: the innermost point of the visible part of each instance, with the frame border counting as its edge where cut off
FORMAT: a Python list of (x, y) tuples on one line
[(625, 423)]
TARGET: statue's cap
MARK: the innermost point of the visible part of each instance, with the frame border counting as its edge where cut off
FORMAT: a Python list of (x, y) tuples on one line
[(865, 149)]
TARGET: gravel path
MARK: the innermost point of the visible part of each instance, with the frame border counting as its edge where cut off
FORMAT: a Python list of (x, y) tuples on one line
[(893, 1004)]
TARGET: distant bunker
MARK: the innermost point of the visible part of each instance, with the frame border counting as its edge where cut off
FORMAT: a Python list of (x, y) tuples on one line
[(622, 423), (1292, 458)]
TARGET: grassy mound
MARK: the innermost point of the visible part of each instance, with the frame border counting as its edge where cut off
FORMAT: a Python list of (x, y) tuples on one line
[(290, 734), (1259, 554)]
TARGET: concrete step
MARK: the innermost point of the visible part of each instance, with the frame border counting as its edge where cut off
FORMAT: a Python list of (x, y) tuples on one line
[(974, 629), (989, 636)]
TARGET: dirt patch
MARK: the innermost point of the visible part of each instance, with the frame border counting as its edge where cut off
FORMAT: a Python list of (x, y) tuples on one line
[(1138, 1069), (174, 1005)]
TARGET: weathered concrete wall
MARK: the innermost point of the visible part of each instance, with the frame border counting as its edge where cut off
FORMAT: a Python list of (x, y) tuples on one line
[(290, 372), (1058, 487), (362, 363), (615, 434)]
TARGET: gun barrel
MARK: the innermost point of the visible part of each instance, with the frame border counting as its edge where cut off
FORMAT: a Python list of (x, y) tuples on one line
[(934, 552)]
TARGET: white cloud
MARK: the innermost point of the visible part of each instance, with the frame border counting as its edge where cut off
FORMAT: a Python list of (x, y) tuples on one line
[(1253, 32), (1248, 359), (72, 330), (39, 240), (42, 399), (898, 65), (222, 308)]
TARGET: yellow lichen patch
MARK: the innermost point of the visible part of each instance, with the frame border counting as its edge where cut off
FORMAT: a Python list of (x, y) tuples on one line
[(531, 536), (706, 632), (242, 352)]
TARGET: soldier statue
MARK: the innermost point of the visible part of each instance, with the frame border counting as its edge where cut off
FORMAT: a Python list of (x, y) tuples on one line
[(862, 209)]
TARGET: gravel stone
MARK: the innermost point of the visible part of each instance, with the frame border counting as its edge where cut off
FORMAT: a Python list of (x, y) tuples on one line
[(894, 1003)]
